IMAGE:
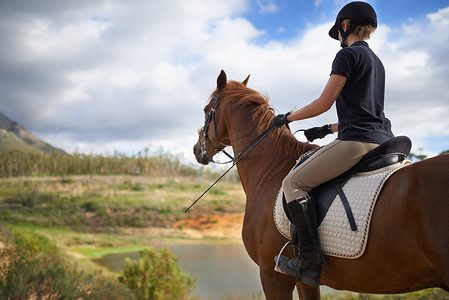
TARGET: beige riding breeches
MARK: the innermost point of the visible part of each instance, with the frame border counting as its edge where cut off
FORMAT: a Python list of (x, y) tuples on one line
[(328, 162)]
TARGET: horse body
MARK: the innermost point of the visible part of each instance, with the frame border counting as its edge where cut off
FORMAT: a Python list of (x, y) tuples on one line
[(408, 247)]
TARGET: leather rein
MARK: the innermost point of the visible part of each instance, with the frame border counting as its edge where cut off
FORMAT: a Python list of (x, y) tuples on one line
[(211, 117)]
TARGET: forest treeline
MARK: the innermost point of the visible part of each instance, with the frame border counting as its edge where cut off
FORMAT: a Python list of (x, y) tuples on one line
[(17, 163)]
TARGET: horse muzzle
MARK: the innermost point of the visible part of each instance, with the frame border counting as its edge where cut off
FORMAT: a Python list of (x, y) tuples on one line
[(201, 154)]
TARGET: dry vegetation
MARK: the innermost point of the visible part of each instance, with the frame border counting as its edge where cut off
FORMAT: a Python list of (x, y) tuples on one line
[(72, 209)]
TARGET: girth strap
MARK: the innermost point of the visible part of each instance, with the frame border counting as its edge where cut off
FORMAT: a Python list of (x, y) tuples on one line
[(347, 207)]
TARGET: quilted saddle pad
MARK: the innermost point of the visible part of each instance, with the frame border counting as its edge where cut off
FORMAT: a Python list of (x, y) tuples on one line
[(337, 238)]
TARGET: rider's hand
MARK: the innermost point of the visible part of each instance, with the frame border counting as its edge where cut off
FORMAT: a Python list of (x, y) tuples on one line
[(281, 120), (317, 132)]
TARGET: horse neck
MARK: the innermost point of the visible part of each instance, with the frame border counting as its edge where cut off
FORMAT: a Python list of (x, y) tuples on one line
[(267, 164)]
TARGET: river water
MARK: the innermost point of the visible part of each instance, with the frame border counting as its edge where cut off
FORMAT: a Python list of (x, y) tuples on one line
[(223, 270)]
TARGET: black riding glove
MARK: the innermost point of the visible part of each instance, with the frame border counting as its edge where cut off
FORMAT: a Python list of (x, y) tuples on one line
[(281, 120), (317, 132)]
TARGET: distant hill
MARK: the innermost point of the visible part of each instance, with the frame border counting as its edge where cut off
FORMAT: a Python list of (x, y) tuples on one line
[(14, 136)]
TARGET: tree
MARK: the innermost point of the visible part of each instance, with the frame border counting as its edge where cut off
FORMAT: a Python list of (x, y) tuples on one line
[(419, 157)]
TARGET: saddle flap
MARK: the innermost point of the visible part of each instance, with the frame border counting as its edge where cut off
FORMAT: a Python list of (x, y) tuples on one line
[(388, 153)]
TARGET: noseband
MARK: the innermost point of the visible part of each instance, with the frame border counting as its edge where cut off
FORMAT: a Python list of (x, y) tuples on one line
[(211, 117)]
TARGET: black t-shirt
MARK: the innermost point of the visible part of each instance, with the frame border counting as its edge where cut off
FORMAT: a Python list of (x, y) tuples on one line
[(360, 105)]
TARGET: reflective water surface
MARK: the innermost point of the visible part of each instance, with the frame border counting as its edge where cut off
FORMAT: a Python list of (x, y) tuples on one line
[(223, 270)]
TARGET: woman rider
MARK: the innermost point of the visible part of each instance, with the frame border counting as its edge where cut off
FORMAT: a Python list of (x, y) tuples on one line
[(357, 84)]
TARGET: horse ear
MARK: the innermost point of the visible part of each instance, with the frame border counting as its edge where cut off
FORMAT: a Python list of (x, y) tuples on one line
[(245, 82), (221, 80)]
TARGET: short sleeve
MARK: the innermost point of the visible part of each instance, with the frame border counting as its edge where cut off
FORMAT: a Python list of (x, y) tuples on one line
[(344, 62)]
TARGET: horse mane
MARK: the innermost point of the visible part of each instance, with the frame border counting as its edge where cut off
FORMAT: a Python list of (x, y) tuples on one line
[(263, 114)]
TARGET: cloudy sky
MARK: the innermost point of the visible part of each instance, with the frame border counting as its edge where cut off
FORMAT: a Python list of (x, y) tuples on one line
[(110, 75)]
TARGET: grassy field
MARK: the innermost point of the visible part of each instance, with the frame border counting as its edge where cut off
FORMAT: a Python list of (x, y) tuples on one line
[(86, 217), (106, 205)]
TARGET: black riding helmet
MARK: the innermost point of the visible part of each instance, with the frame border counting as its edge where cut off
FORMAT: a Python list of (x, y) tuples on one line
[(359, 13)]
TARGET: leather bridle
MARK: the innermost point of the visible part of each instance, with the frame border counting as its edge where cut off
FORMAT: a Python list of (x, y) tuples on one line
[(212, 117)]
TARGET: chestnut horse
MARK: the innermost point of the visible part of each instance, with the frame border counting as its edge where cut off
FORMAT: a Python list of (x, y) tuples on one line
[(408, 246)]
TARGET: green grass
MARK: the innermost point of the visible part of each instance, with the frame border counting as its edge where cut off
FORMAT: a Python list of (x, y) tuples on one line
[(103, 204), (10, 142), (86, 213), (94, 253)]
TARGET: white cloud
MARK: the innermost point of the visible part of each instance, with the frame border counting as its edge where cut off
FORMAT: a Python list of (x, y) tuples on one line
[(111, 75), (417, 77), (440, 19)]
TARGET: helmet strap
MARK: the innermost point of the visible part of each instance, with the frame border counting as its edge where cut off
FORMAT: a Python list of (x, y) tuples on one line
[(344, 34)]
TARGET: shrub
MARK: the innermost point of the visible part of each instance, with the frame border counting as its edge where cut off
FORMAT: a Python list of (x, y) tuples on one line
[(157, 276), (35, 243), (34, 268), (90, 206), (39, 276)]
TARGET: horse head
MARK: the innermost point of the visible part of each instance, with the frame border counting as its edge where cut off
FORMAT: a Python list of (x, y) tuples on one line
[(214, 136)]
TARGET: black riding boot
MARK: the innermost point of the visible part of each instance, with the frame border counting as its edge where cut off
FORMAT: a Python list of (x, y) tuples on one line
[(306, 266)]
